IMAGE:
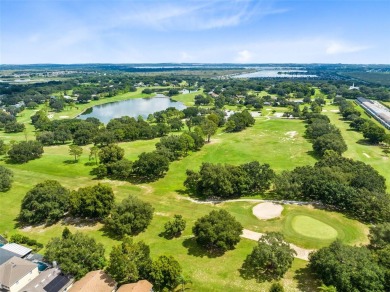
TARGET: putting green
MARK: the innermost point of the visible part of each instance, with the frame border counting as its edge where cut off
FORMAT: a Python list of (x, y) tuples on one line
[(310, 227)]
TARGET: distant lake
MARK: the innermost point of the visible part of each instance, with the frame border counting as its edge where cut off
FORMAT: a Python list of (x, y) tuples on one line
[(131, 107), (274, 73)]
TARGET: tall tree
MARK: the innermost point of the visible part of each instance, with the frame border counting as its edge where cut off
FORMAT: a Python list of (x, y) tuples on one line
[(75, 151)]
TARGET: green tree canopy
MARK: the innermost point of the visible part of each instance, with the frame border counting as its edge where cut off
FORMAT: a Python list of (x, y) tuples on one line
[(111, 153), (130, 217), (129, 261), (25, 151), (218, 231), (270, 259), (6, 178), (92, 202), (165, 273), (47, 202), (347, 268), (76, 254), (75, 151), (175, 227)]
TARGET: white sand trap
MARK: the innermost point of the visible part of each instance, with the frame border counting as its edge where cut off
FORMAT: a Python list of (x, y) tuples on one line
[(267, 210), (64, 117), (279, 115), (365, 154), (255, 114), (334, 111), (324, 111)]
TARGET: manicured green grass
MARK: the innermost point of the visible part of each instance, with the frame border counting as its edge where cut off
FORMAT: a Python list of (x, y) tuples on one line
[(347, 230), (310, 227)]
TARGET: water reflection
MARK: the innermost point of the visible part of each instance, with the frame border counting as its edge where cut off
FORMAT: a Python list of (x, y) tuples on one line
[(132, 108)]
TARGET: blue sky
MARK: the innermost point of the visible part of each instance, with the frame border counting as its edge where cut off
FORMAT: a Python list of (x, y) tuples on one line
[(199, 31)]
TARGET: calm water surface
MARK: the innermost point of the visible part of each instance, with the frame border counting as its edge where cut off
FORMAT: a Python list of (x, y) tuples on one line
[(132, 108)]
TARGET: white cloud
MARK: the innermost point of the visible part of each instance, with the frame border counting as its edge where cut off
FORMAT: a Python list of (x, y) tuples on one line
[(343, 48), (244, 56)]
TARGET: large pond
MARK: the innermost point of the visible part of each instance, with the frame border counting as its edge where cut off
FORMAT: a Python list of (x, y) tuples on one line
[(131, 107), (276, 73)]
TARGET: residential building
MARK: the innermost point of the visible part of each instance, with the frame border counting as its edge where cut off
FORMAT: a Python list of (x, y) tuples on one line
[(17, 273)]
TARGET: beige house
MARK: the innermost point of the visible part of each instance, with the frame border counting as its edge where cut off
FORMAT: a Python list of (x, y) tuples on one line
[(17, 273), (95, 281), (140, 286)]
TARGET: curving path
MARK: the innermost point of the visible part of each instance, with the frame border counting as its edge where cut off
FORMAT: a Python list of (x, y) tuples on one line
[(302, 253)]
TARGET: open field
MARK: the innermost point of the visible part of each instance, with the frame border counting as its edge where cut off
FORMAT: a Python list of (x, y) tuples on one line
[(278, 142)]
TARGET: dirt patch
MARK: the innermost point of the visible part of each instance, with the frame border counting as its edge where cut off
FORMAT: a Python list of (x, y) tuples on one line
[(268, 210)]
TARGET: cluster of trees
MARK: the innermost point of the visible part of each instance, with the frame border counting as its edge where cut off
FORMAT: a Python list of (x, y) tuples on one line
[(25, 151), (371, 131), (350, 268), (130, 261), (353, 187), (229, 181), (6, 178), (149, 165), (324, 135), (49, 201), (239, 121)]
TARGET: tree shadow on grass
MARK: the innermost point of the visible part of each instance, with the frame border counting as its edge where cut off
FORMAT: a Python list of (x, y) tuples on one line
[(313, 154), (306, 279), (195, 250), (109, 233), (69, 161)]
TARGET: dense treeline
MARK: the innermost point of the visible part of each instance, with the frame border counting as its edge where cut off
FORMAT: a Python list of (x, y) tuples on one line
[(324, 135), (353, 187), (371, 131), (229, 181), (351, 268)]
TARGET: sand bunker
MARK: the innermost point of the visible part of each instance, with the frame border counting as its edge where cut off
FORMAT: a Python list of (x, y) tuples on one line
[(291, 134), (278, 115), (365, 154), (267, 210)]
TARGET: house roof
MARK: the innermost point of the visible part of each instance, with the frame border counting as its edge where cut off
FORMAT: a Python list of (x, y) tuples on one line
[(17, 248), (97, 281), (5, 255), (15, 269), (140, 286), (50, 280)]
